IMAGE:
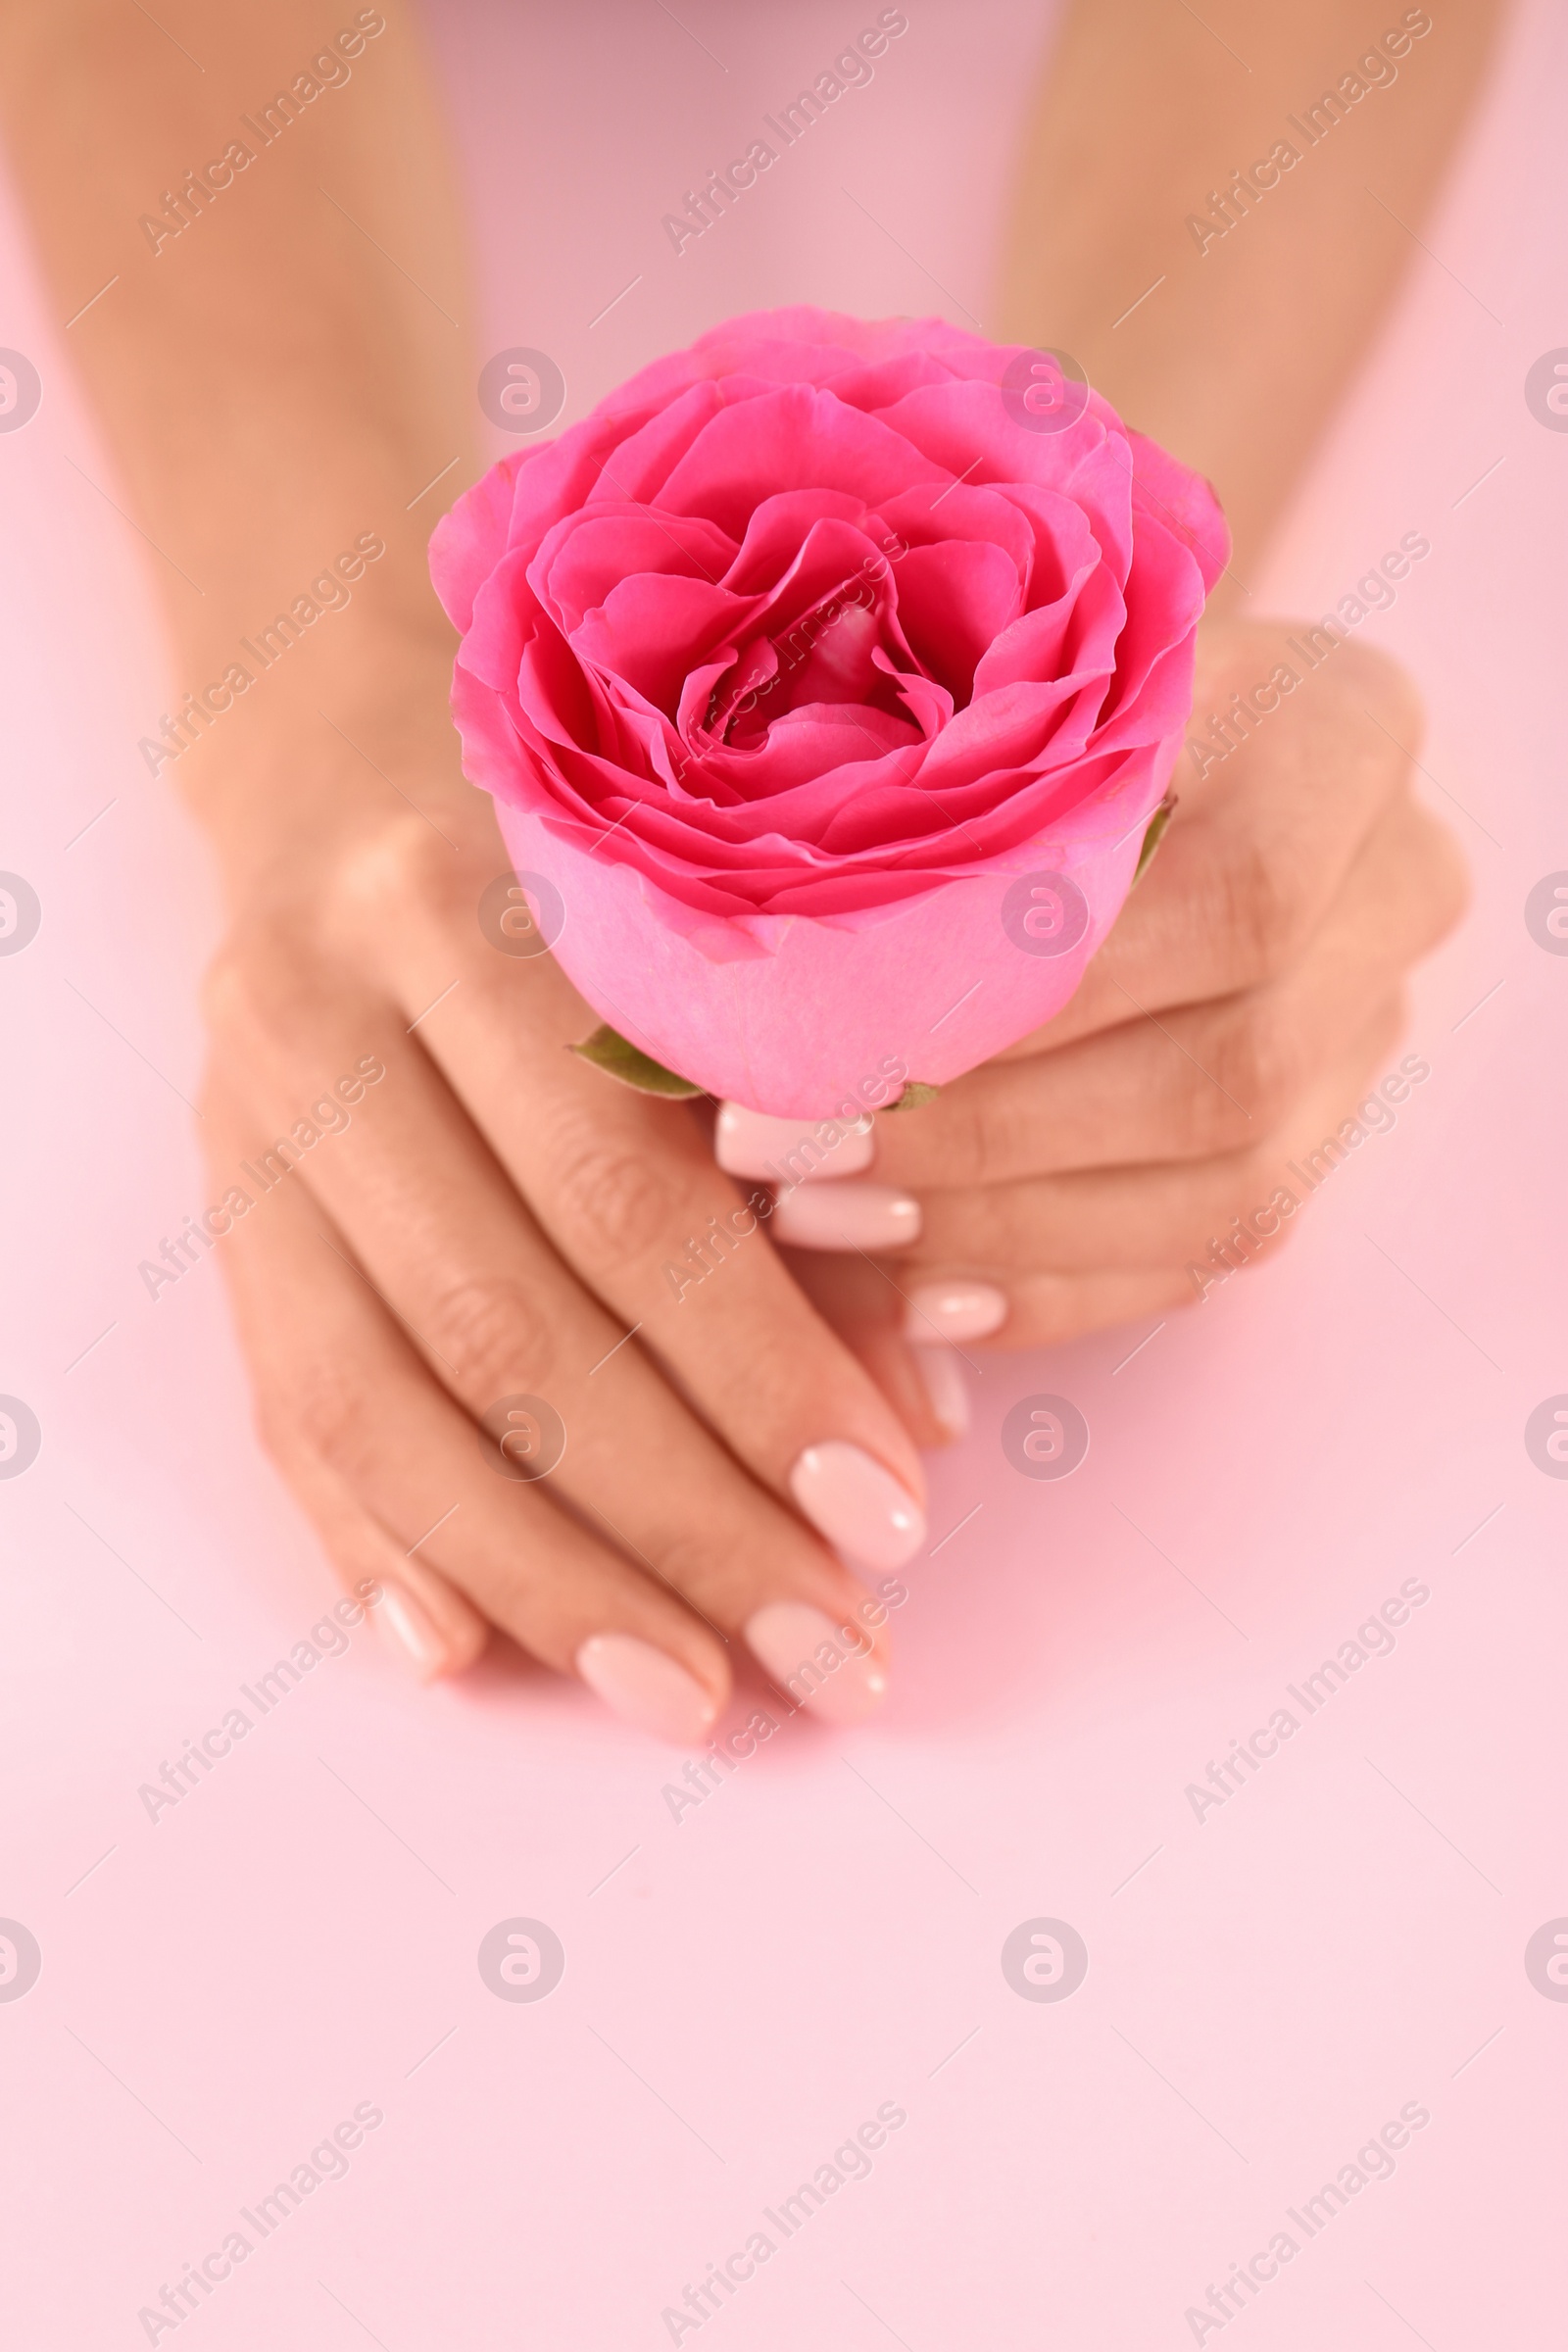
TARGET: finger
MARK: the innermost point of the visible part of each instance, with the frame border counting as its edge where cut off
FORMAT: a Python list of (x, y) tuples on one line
[(862, 1302), (1198, 1080), (1122, 1218), (1045, 1311), (424, 1620), (895, 1328)]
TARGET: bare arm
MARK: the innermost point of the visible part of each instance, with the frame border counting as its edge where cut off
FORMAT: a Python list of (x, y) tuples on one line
[(1146, 114), (283, 360)]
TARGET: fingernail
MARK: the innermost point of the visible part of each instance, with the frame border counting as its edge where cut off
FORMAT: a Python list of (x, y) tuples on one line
[(942, 1379), (410, 1632), (847, 1216), (645, 1686), (823, 1666), (954, 1310), (861, 1508), (748, 1143)]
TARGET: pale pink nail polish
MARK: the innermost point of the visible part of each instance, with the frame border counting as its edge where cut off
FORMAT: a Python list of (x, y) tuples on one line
[(824, 1667), (861, 1508), (847, 1216), (748, 1143), (954, 1310), (645, 1686), (409, 1631), (943, 1378)]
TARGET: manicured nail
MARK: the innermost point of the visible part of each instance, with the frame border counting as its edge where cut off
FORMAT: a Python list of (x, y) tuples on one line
[(748, 1143), (824, 1667), (943, 1378), (861, 1508), (408, 1631), (645, 1687), (847, 1216), (954, 1310)]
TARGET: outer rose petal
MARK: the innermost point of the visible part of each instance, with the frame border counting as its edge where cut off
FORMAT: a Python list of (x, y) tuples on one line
[(469, 541), (793, 1016), (1183, 501)]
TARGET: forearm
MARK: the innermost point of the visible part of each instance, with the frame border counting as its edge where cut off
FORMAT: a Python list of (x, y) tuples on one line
[(1235, 356), (280, 368)]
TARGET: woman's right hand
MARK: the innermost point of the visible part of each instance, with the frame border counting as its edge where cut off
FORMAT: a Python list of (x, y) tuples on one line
[(485, 1231)]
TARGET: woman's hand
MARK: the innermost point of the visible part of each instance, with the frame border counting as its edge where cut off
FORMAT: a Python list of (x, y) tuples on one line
[(1251, 988), (438, 1298)]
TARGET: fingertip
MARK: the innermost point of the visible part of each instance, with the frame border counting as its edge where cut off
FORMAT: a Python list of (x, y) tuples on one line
[(410, 1632), (426, 1624), (858, 1503), (649, 1689), (816, 1664)]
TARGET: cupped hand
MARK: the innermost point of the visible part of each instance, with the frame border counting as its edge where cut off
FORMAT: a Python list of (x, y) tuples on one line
[(526, 1357), (1137, 1150)]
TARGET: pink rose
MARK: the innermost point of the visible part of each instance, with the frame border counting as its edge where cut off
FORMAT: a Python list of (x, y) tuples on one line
[(831, 675)]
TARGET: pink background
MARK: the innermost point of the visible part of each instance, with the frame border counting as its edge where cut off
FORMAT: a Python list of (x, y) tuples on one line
[(821, 1935)]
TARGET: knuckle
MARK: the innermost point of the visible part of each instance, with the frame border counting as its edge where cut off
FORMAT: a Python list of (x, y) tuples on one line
[(1259, 910), (491, 1337), (1248, 1074), (1255, 1060), (1244, 1215), (984, 1146), (397, 865), (321, 1410), (263, 992), (1378, 687), (700, 1566), (622, 1204)]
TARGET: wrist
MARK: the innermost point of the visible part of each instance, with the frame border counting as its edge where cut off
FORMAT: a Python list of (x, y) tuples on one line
[(316, 755)]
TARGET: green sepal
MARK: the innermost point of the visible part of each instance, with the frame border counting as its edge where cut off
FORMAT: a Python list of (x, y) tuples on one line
[(913, 1095), (1151, 838), (608, 1050)]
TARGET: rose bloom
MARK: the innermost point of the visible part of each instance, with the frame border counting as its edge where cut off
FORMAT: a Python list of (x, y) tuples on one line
[(831, 673)]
